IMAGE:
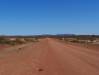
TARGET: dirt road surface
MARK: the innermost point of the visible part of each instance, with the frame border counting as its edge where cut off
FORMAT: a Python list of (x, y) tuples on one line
[(49, 57)]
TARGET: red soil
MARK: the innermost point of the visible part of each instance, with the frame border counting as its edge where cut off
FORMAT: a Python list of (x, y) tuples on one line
[(4, 46), (49, 57)]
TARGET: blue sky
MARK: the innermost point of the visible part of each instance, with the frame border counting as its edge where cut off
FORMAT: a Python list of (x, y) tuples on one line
[(26, 17)]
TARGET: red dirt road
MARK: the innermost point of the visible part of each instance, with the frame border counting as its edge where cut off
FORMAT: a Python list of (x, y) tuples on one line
[(3, 46), (49, 57)]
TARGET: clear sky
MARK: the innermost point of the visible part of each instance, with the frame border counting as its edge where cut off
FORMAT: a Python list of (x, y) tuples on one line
[(49, 17)]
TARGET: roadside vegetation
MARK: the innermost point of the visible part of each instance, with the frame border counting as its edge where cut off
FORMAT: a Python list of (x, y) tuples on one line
[(16, 41), (85, 39)]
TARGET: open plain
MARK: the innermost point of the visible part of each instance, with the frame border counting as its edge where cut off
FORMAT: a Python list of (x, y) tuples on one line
[(49, 57)]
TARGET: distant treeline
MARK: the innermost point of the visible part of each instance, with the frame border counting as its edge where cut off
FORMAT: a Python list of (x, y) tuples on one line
[(13, 40), (54, 36)]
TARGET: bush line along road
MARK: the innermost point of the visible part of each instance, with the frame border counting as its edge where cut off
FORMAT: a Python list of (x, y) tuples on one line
[(49, 57)]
